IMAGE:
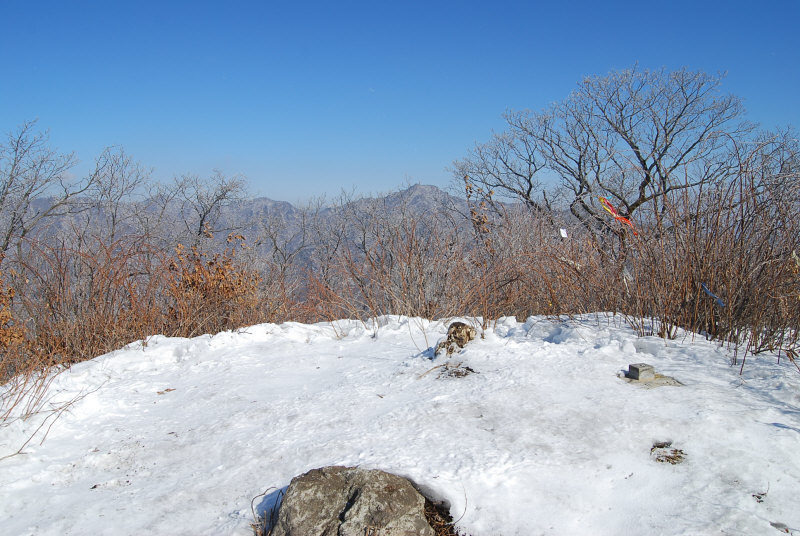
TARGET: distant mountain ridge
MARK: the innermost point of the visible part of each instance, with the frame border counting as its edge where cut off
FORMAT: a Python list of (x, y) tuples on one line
[(416, 199), (256, 218), (252, 217), (417, 196)]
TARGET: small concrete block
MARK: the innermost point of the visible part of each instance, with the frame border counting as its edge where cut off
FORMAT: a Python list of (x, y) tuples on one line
[(641, 372)]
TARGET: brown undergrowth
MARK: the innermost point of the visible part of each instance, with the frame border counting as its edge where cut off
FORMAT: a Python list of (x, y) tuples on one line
[(210, 293)]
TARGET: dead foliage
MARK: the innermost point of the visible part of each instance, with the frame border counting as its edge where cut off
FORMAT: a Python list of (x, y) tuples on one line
[(663, 452), (438, 516), (12, 336), (209, 293)]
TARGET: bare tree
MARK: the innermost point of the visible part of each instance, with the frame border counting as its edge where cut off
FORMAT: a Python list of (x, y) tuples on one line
[(35, 183), (201, 202), (631, 136), (120, 191), (507, 165)]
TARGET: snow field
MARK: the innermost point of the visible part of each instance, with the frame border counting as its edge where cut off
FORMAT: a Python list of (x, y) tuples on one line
[(178, 435)]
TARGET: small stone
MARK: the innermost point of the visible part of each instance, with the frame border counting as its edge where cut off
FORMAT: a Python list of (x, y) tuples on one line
[(641, 372)]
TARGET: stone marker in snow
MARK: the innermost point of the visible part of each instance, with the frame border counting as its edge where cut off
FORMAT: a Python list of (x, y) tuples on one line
[(641, 372), (646, 376)]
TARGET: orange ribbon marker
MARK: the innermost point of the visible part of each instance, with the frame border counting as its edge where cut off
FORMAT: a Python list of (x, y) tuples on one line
[(611, 210)]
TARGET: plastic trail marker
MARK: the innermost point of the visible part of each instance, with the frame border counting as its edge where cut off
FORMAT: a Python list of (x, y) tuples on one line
[(611, 210), (716, 298)]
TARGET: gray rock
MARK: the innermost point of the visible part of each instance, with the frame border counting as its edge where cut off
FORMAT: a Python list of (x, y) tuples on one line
[(458, 335), (349, 501)]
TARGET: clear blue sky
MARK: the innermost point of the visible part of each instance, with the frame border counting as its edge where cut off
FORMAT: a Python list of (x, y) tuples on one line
[(305, 98)]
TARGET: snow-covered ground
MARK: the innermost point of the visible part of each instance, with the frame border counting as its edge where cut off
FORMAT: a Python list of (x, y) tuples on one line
[(177, 436)]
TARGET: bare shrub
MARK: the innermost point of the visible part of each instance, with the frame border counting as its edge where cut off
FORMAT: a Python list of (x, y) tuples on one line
[(719, 259), (724, 265), (84, 302), (383, 259)]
